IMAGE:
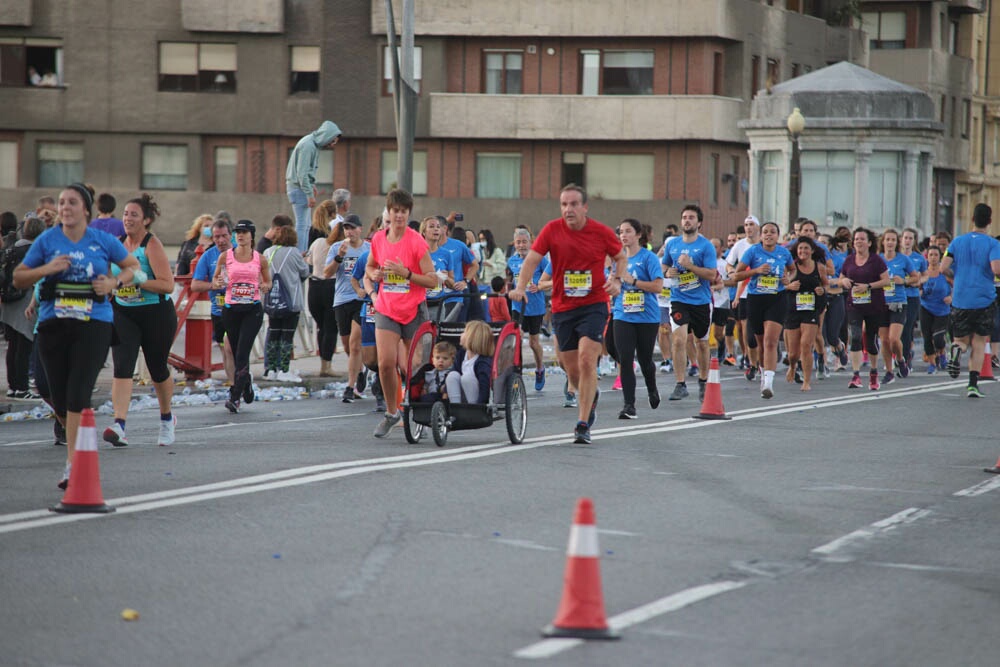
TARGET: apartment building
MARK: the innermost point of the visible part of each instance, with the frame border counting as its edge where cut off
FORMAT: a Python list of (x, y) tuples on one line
[(200, 102)]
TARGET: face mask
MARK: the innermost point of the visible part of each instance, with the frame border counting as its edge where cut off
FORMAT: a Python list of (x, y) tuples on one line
[(206, 231)]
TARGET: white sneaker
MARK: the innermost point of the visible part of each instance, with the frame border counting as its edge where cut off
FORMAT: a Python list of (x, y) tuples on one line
[(115, 434), (167, 428)]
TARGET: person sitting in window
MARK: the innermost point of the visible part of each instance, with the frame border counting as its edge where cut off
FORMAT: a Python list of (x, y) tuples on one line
[(49, 80), (34, 78), (470, 382)]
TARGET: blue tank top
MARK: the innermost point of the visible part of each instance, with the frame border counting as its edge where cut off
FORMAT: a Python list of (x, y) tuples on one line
[(134, 295)]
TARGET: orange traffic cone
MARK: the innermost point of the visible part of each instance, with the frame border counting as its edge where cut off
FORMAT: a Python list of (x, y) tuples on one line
[(987, 372), (711, 407), (995, 469), (83, 494), (581, 611)]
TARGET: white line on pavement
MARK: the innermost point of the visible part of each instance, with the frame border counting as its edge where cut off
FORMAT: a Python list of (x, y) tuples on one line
[(981, 488), (830, 550)]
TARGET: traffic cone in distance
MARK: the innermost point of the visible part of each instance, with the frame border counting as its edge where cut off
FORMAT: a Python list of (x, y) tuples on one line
[(987, 372), (711, 407), (83, 494), (995, 469), (581, 610)]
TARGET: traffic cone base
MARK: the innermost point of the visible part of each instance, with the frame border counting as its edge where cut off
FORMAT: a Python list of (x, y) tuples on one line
[(987, 371), (83, 492), (580, 633), (995, 469), (711, 407)]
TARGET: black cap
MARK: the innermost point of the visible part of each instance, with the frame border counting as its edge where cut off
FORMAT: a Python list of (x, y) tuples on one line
[(351, 220), (245, 226)]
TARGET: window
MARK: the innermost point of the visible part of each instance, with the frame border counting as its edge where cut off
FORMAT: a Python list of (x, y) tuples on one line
[(590, 75), (574, 169), (197, 67), (713, 179), (883, 188), (734, 181), (773, 72), (717, 76), (754, 75), (619, 176), (418, 68), (31, 62), (771, 201), (324, 172), (164, 167), (498, 175), (886, 30), (827, 186), (953, 37), (616, 72), (966, 117), (305, 69), (390, 161), (8, 164), (503, 72), (59, 164), (796, 69), (226, 161)]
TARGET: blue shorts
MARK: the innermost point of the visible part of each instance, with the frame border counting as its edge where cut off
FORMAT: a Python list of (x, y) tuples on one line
[(588, 321), (367, 326)]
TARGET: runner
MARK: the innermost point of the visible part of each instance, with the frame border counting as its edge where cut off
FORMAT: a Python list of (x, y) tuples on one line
[(864, 274), (577, 246), (806, 289), (901, 273), (935, 305), (144, 316), (973, 259), (533, 310), (751, 356), (347, 299), (907, 246), (222, 235)]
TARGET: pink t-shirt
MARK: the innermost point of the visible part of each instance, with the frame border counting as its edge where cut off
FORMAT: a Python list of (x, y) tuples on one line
[(244, 279), (398, 298)]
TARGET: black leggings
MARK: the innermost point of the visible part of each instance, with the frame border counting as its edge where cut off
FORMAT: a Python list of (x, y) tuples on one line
[(933, 328), (834, 321), (152, 327), (18, 356), (72, 353), (912, 316), (871, 322), (321, 309), (242, 322), (628, 341), (279, 342)]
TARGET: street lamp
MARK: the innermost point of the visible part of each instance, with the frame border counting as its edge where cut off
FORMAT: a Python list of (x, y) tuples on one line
[(796, 124)]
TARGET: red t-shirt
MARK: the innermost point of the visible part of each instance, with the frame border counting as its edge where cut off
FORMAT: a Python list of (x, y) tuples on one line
[(499, 312), (577, 261)]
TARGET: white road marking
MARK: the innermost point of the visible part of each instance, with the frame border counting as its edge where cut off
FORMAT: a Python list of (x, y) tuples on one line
[(830, 550), (981, 488), (549, 647)]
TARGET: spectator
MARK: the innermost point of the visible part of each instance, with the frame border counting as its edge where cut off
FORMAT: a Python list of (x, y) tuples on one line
[(18, 320), (494, 264), (8, 228), (105, 220), (267, 240), (300, 176), (197, 240)]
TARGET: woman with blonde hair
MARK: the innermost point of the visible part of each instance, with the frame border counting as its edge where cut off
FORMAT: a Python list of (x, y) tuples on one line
[(321, 288), (197, 240)]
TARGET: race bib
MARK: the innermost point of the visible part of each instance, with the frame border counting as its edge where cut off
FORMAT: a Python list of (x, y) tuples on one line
[(577, 283), (889, 290), (242, 292), (633, 301), (129, 294), (219, 299), (687, 281), (805, 301), (664, 298), (348, 265), (862, 296), (69, 308), (394, 283), (368, 313), (767, 284)]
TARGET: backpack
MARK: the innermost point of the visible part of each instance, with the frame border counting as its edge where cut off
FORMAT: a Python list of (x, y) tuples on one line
[(9, 259), (278, 301)]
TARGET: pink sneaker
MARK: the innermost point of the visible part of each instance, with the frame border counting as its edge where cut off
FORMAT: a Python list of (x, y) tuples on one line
[(617, 386)]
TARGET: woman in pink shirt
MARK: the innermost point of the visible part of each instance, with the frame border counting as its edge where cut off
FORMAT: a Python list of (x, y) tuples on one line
[(401, 263)]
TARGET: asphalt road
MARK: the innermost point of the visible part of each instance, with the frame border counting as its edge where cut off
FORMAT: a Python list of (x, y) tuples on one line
[(831, 528)]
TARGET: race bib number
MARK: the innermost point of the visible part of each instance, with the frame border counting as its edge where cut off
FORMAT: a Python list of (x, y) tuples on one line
[(348, 265), (688, 281), (242, 292), (394, 283), (862, 296), (128, 294), (805, 301), (219, 299), (633, 301), (889, 290), (664, 298), (68, 308), (577, 283), (767, 284)]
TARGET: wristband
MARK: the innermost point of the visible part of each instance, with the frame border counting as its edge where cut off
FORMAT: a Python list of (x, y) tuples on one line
[(411, 274), (338, 258)]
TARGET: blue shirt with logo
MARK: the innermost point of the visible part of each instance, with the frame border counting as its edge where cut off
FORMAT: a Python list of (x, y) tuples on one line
[(779, 259), (633, 304), (536, 300), (691, 289), (920, 266), (971, 255), (205, 270), (899, 265)]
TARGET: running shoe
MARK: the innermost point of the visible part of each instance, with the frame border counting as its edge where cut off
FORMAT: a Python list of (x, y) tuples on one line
[(386, 425), (115, 434), (167, 432), (348, 395), (873, 381), (25, 395), (59, 431), (692, 370), (767, 392), (10, 393), (931, 369), (592, 417), (702, 384), (664, 366), (904, 368), (820, 367), (570, 401), (540, 379), (581, 434), (233, 406), (888, 378), (362, 381), (680, 391), (994, 361), (855, 382), (973, 392), (379, 404), (955, 361), (729, 361), (654, 398), (545, 331), (751, 374), (64, 480), (628, 412), (248, 394), (799, 378), (942, 362), (842, 355), (617, 386)]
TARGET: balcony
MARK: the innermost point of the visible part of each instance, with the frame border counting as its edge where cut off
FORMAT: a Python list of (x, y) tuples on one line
[(967, 6), (934, 72), (583, 118)]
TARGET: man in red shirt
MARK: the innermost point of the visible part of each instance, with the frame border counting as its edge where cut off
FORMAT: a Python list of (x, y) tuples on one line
[(578, 246)]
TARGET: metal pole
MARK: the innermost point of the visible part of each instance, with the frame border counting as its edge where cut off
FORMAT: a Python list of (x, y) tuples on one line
[(794, 183), (403, 92)]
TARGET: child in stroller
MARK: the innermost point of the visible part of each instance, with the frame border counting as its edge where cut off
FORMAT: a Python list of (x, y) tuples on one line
[(435, 373), (471, 382)]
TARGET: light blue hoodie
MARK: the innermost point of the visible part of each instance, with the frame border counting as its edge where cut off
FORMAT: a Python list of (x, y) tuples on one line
[(304, 160)]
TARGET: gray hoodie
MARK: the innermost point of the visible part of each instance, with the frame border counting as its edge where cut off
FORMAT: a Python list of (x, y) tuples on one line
[(304, 160)]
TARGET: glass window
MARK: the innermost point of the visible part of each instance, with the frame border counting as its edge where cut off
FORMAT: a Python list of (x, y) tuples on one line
[(886, 30), (627, 73), (390, 161), (305, 69), (503, 72), (8, 164), (59, 164), (734, 181), (164, 167), (883, 189), (324, 173), (197, 67), (620, 176), (772, 197), (590, 68), (31, 62), (713, 179), (498, 175), (418, 68), (226, 159), (827, 186)]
